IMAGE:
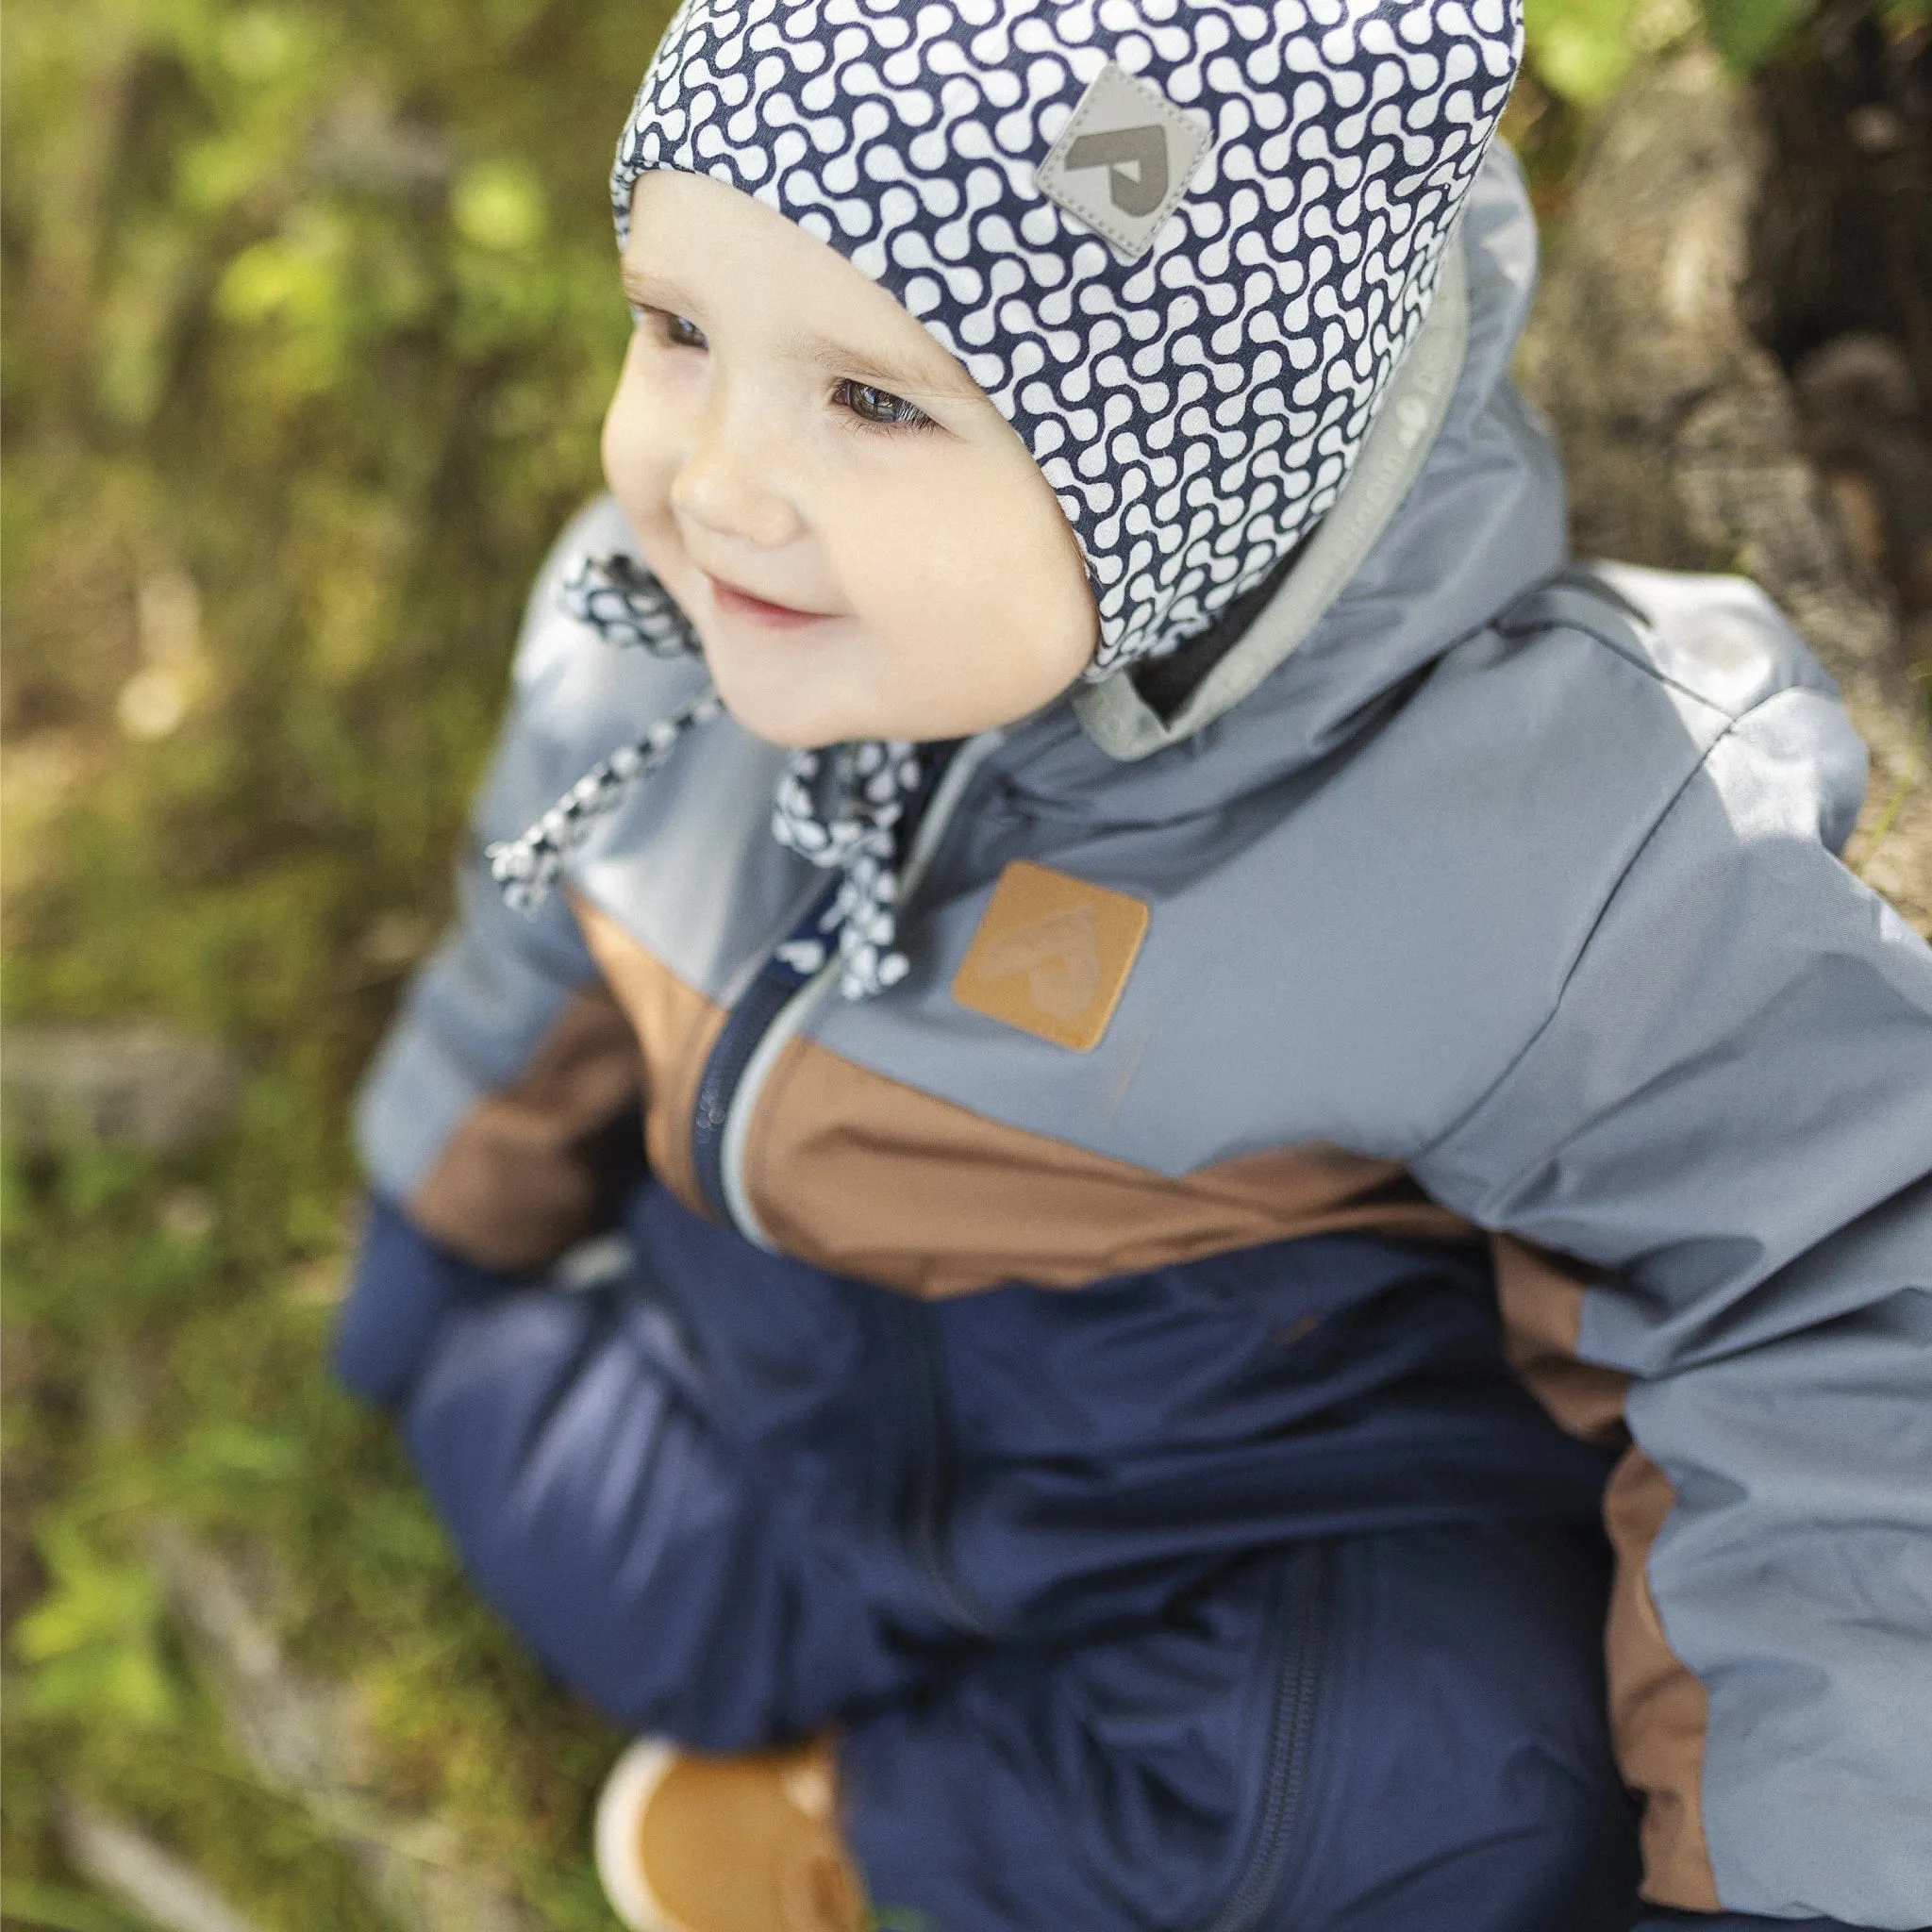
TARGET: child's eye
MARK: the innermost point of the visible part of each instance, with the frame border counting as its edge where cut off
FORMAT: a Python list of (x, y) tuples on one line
[(680, 332), (870, 404)]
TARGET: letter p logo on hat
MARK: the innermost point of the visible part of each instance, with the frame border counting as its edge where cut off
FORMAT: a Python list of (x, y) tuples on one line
[(1123, 161), (1142, 149)]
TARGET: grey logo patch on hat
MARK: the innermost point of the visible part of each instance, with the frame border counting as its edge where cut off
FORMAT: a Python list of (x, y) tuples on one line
[(1125, 159)]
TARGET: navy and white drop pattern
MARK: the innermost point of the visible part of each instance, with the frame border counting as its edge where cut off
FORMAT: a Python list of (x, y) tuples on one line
[(846, 808), (626, 604), (1195, 408), (526, 868), (843, 809)]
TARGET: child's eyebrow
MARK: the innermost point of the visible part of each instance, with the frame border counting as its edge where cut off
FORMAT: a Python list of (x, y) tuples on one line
[(644, 290), (941, 375), (899, 375)]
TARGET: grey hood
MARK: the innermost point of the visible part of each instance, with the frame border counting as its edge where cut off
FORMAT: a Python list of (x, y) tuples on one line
[(1454, 507)]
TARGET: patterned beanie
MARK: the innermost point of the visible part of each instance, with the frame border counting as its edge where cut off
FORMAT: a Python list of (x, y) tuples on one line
[(1180, 246)]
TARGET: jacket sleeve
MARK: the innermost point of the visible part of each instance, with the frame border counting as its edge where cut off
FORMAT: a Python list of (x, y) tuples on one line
[(1712, 1165), (505, 1091), (1666, 1921)]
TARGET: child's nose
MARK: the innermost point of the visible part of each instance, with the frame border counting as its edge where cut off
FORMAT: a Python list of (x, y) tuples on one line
[(728, 485)]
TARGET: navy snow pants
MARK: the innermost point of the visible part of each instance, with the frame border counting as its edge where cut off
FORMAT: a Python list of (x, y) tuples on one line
[(1244, 1595)]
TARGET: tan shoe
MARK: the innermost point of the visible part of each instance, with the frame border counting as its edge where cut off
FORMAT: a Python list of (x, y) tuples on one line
[(726, 1845)]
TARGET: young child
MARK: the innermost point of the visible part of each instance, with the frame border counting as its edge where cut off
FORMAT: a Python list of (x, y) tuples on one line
[(1156, 932)]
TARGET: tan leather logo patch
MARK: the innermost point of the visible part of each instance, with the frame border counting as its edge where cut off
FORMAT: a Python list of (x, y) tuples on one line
[(1052, 956)]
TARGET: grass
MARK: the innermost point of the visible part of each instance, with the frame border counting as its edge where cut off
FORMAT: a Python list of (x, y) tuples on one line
[(311, 313)]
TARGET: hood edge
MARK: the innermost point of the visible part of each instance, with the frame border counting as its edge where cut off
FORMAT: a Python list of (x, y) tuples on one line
[(1118, 719)]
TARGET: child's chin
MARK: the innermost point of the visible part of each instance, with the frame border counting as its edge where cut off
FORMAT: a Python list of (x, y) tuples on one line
[(776, 692), (798, 725), (806, 706)]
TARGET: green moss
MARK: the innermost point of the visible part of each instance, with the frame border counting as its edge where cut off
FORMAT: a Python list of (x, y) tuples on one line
[(312, 317)]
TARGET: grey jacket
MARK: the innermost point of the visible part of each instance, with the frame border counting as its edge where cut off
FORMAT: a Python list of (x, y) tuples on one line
[(1469, 894)]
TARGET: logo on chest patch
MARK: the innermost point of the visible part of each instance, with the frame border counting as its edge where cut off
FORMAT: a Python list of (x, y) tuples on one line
[(1052, 954)]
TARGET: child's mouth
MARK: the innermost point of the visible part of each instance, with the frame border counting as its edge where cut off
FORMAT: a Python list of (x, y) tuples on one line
[(733, 602)]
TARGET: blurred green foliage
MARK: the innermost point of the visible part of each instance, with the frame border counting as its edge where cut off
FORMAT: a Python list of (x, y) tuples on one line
[(312, 317), (1581, 49)]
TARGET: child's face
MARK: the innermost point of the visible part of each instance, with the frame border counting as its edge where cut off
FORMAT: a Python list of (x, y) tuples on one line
[(864, 543)]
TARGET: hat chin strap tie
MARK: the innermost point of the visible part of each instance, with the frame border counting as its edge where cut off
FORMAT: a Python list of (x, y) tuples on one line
[(843, 809)]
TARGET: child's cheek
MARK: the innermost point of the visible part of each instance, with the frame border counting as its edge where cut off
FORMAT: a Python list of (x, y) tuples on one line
[(621, 443), (639, 447), (968, 574)]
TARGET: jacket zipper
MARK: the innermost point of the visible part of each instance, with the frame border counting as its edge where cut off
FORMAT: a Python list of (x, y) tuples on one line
[(772, 987), (772, 1012), (1286, 1776), (932, 1489), (779, 1003)]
